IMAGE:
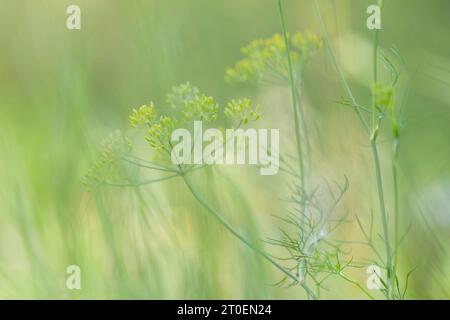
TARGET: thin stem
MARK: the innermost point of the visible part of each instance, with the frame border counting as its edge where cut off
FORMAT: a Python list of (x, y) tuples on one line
[(395, 168), (295, 102), (342, 78), (373, 137), (375, 77), (375, 128), (348, 279), (384, 219), (154, 167), (298, 115), (305, 135), (162, 166), (141, 183), (233, 231), (396, 203)]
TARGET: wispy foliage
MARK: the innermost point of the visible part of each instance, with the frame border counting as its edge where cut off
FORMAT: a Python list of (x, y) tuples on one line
[(307, 235)]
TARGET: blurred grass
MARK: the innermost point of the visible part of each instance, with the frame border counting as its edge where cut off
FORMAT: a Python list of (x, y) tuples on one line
[(62, 91)]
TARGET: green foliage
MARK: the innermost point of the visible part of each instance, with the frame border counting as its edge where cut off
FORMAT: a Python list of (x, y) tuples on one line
[(307, 236), (60, 94), (384, 97)]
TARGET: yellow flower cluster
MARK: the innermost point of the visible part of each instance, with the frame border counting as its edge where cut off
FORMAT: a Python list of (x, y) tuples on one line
[(242, 109), (266, 59), (187, 100), (107, 165)]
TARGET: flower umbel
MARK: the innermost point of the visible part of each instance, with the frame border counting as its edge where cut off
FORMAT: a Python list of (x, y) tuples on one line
[(187, 104), (107, 165), (265, 59), (242, 109)]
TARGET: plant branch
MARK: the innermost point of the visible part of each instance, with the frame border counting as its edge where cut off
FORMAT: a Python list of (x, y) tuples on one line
[(233, 231), (295, 102), (342, 78)]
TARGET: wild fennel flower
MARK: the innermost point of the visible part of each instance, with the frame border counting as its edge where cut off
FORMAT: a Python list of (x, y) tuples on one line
[(265, 59), (159, 132), (242, 109), (145, 114), (193, 105), (182, 93), (107, 165), (187, 104)]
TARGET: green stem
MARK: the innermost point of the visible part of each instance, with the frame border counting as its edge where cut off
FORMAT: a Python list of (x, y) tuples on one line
[(233, 231), (295, 102), (395, 168), (341, 75), (306, 138), (375, 128), (396, 203), (375, 77), (373, 136), (384, 219), (298, 115), (359, 286)]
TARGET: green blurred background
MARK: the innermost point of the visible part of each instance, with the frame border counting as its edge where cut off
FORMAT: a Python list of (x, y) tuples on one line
[(63, 91)]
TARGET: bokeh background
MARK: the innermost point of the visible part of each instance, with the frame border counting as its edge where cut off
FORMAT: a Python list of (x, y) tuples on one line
[(62, 92)]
